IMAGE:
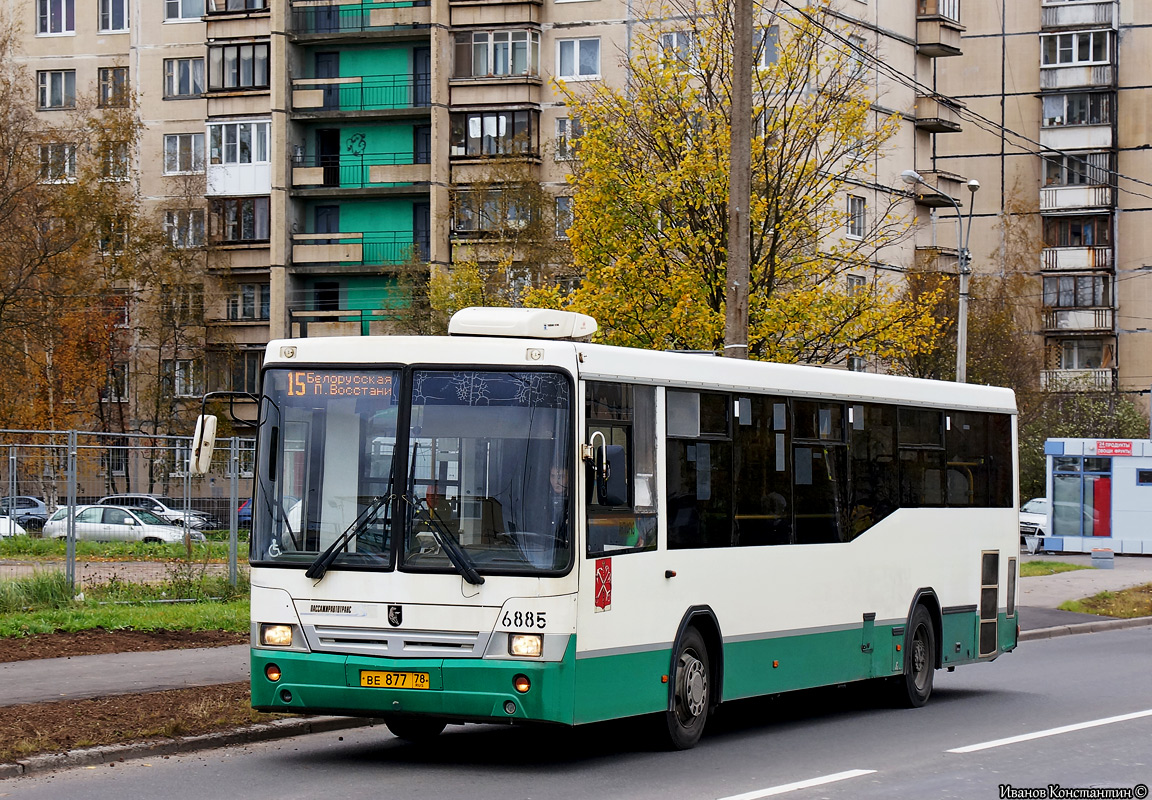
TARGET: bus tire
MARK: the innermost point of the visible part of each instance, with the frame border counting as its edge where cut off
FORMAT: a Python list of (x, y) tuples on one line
[(914, 687), (417, 730), (691, 688)]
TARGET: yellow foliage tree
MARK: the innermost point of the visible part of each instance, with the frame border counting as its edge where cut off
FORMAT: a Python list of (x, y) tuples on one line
[(651, 195)]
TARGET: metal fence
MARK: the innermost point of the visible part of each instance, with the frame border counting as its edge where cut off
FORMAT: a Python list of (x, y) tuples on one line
[(70, 469)]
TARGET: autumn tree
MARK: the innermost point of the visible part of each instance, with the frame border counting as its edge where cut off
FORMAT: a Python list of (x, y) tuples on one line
[(649, 237)]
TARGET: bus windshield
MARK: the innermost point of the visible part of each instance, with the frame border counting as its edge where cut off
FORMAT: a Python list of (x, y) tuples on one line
[(481, 467)]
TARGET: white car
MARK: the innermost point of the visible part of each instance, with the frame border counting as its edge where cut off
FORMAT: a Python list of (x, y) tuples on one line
[(9, 527), (1033, 523), (116, 524)]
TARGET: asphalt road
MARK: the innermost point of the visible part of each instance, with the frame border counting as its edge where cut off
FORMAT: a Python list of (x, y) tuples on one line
[(841, 740)]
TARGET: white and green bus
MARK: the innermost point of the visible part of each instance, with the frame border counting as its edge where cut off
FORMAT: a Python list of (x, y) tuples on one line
[(509, 524)]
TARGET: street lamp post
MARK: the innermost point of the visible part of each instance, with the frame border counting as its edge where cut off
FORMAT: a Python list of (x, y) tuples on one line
[(964, 259)]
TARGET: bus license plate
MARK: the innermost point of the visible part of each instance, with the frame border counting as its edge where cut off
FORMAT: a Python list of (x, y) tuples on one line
[(394, 680)]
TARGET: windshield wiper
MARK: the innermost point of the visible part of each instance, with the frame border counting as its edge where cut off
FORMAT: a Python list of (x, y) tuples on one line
[(320, 566), (447, 541)]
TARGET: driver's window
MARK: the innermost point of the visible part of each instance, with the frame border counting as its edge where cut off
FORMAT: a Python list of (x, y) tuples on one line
[(625, 414), (89, 515)]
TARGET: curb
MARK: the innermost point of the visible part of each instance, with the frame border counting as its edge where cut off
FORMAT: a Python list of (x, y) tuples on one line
[(1084, 627), (107, 754)]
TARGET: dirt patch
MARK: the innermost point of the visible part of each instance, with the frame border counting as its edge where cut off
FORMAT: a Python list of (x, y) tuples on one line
[(98, 641), (66, 725)]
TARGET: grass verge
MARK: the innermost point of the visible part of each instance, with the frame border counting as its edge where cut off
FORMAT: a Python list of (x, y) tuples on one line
[(43, 603), (1124, 604), (1032, 569), (66, 725), (27, 548)]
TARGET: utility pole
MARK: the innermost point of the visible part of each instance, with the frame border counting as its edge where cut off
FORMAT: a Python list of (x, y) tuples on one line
[(739, 185)]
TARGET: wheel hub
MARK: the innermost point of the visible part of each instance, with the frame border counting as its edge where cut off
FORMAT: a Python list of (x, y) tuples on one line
[(693, 685)]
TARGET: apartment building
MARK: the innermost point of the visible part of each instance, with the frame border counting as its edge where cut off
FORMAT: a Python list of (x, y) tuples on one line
[(333, 141), (1068, 80)]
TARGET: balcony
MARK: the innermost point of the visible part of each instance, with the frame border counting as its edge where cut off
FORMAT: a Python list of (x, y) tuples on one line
[(364, 249), (1077, 258), (344, 322), (367, 171), (1075, 77), (938, 28), (1065, 198), (1077, 380), (324, 19), (947, 182), (935, 115), (1077, 137), (1078, 15), (1083, 320), (360, 94)]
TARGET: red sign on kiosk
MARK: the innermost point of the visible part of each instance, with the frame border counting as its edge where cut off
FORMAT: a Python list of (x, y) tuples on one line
[(1113, 448)]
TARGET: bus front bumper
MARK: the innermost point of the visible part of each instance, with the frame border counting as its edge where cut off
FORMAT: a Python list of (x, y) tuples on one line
[(464, 689)]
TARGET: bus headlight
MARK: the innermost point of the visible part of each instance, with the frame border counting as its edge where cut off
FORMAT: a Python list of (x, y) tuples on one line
[(526, 645), (276, 635)]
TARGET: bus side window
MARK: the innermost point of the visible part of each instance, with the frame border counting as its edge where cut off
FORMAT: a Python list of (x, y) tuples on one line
[(626, 416)]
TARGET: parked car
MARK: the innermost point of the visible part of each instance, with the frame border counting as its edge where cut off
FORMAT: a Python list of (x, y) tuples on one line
[(102, 523), (163, 507), (1033, 523), (29, 512), (244, 514), (9, 527)]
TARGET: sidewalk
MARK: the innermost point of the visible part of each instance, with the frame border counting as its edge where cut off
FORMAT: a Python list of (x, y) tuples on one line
[(1041, 597)]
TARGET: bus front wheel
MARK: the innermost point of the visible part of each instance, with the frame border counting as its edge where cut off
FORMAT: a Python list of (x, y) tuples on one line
[(914, 687), (691, 692)]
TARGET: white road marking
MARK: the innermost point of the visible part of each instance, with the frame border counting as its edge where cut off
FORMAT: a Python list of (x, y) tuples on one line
[(772, 791), (1026, 737)]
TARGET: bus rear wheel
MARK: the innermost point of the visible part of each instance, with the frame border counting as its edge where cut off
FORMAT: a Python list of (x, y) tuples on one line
[(691, 692), (414, 729), (914, 687)]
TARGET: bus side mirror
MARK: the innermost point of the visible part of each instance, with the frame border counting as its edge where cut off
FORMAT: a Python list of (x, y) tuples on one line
[(611, 475), (203, 441)]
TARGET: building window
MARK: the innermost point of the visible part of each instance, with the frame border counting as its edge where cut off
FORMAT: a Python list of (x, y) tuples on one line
[(116, 384), (240, 219), (57, 162), (250, 301), (114, 161), (1077, 291), (238, 66), (1086, 231), (184, 228), (1081, 108), (564, 216), (481, 54), (491, 211), (57, 88), (856, 216), (113, 236), (239, 371), (238, 143), (183, 153), (183, 9), (856, 364), (568, 133), (113, 16), (578, 59), (679, 49), (1063, 49), (183, 77), (857, 53), (183, 303), (182, 377), (766, 42), (855, 284), (493, 133), (55, 17), (113, 87), (1086, 169), (1084, 354), (219, 6)]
